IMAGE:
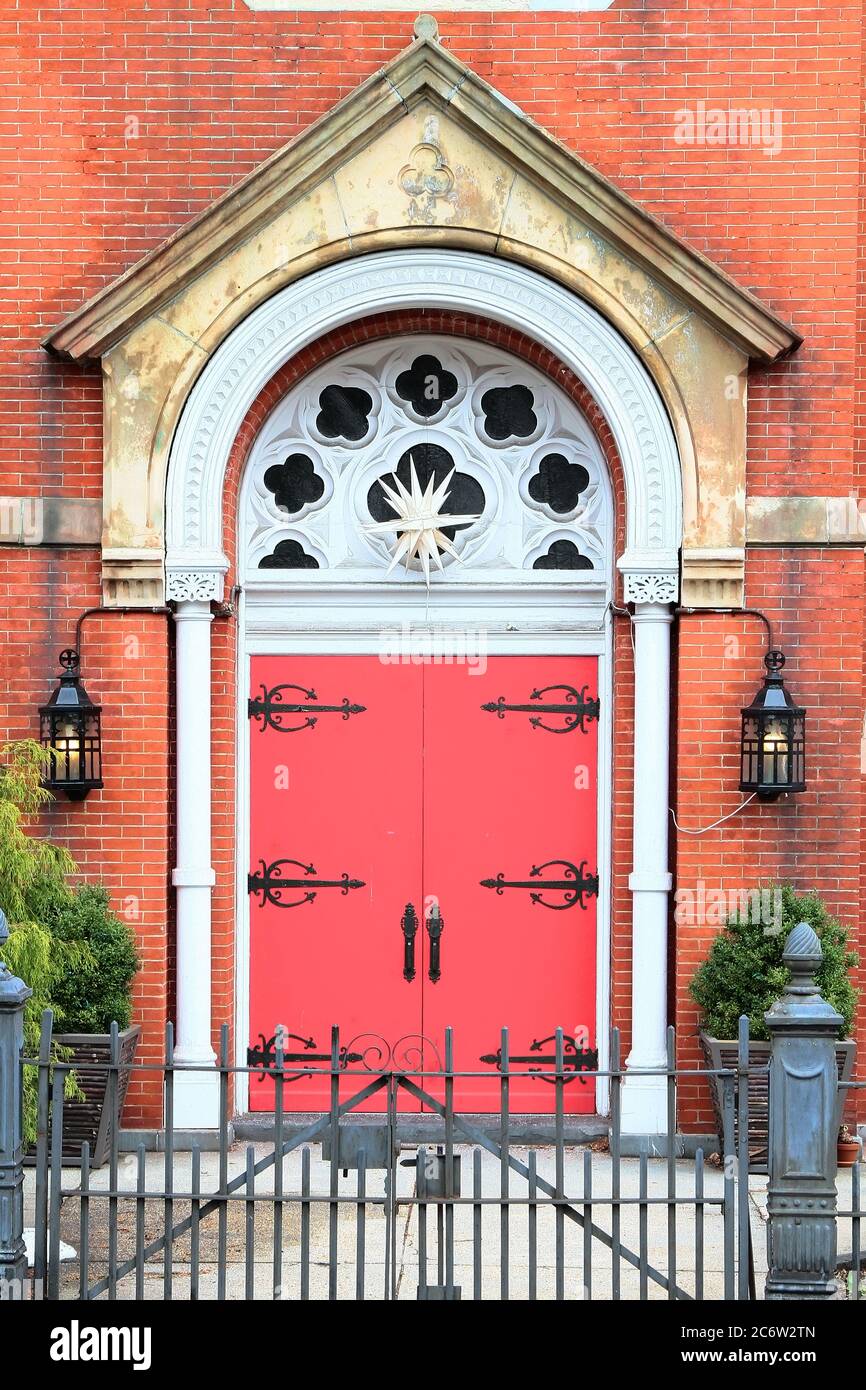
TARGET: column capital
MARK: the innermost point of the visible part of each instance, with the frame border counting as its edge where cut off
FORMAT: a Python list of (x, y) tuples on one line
[(196, 583), (650, 587)]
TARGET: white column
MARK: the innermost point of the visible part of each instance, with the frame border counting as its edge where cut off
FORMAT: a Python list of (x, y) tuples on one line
[(644, 1103), (196, 1093)]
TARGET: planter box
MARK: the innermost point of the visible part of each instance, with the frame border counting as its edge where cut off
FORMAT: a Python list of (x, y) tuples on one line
[(89, 1119), (721, 1055)]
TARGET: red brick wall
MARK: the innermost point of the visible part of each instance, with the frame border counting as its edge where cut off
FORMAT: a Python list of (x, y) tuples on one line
[(119, 834), (811, 840), (119, 123)]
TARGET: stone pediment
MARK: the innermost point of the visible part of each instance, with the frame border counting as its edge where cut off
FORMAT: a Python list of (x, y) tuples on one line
[(424, 153)]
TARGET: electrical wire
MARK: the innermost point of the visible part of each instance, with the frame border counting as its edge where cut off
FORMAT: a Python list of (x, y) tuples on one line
[(685, 831)]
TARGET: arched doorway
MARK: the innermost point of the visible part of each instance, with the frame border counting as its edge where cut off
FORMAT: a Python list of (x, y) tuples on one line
[(647, 558)]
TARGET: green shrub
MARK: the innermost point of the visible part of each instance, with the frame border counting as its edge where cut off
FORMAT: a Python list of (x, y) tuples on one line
[(744, 973), (65, 943), (31, 869), (36, 956), (98, 991)]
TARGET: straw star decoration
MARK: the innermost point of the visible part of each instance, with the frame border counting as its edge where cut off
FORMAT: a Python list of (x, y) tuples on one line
[(419, 521)]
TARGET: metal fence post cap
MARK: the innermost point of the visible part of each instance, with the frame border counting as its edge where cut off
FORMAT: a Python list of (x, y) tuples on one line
[(802, 1002), (802, 955), (13, 992)]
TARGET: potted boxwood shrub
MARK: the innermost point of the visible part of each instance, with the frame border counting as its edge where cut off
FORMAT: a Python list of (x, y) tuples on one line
[(76, 955), (744, 974)]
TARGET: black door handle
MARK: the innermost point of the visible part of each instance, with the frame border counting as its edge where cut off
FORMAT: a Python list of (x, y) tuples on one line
[(409, 926), (434, 931)]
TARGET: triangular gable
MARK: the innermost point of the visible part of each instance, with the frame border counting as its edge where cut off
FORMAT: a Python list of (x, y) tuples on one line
[(424, 74)]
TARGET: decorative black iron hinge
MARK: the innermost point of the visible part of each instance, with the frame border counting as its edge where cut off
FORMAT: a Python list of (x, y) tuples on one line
[(575, 708), (271, 883), (264, 1055), (574, 1059), (273, 709), (574, 884)]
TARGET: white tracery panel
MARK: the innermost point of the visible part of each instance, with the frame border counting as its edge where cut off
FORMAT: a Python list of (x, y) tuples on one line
[(524, 457)]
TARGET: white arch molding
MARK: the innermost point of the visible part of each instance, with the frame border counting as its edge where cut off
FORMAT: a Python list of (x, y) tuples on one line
[(196, 563)]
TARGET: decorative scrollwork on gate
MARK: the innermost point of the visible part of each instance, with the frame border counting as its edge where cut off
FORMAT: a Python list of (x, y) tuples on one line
[(409, 1054), (574, 885)]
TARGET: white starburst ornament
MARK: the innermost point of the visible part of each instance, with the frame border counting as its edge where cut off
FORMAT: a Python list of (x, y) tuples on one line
[(419, 521)]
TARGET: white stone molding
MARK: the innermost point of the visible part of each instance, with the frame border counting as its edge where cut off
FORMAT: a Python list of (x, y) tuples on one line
[(644, 1099), (442, 279), (196, 1092), (195, 585), (648, 586)]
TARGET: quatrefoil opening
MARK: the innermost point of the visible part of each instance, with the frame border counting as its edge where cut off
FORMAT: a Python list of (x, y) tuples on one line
[(508, 412), (344, 412), (465, 495), (558, 484), (294, 483), (426, 386)]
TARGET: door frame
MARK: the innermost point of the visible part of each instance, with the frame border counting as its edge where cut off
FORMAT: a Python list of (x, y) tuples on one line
[(270, 624)]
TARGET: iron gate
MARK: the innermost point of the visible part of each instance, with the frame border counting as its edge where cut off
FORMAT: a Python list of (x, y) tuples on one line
[(469, 1214)]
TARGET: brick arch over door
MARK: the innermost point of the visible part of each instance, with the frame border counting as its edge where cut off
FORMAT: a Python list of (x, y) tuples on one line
[(626, 397)]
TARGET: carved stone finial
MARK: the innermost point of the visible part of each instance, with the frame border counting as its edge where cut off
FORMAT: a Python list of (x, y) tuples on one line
[(802, 955), (426, 27)]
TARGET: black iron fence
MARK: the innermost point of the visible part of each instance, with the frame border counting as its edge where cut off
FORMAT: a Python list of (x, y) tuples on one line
[(340, 1206)]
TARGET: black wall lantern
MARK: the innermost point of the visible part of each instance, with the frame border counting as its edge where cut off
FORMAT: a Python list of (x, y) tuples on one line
[(773, 740), (70, 727)]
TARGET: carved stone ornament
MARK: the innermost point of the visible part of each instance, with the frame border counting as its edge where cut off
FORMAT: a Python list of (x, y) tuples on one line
[(650, 587), (193, 586)]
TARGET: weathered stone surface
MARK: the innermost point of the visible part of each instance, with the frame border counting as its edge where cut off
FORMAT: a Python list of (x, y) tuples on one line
[(710, 375), (805, 521), (139, 377), (50, 521), (424, 172), (210, 306)]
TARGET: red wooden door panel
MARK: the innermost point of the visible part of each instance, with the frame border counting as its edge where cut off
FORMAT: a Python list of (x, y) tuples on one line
[(510, 801), (341, 797)]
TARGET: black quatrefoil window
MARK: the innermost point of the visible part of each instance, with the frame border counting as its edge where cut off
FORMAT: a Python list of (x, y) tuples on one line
[(289, 555), (558, 483), (562, 555), (508, 412), (427, 385), (294, 483), (465, 495), (344, 412)]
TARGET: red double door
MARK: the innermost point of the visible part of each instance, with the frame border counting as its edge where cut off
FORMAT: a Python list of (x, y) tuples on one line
[(424, 854)]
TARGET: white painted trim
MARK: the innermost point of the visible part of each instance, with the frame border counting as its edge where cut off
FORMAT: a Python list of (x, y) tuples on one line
[(644, 1097), (196, 1092)]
